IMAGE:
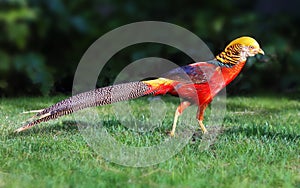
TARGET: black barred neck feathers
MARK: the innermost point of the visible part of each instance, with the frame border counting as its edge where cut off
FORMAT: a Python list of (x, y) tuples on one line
[(232, 55)]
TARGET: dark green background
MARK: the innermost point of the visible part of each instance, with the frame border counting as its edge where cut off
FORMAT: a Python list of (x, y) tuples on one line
[(41, 42)]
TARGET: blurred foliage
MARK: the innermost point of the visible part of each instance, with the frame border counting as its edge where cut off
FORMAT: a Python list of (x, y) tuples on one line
[(43, 41)]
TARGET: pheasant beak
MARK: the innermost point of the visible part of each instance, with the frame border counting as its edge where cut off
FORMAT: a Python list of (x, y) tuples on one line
[(260, 51)]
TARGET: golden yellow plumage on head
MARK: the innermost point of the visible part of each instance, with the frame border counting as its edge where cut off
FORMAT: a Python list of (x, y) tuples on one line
[(247, 41)]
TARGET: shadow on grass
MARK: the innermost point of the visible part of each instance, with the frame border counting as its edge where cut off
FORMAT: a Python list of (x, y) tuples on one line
[(66, 126), (112, 125), (70, 127), (262, 131)]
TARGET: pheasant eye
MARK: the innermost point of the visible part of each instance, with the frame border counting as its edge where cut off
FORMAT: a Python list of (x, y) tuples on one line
[(251, 47)]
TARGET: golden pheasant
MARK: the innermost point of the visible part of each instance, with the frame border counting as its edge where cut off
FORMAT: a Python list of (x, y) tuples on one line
[(201, 87)]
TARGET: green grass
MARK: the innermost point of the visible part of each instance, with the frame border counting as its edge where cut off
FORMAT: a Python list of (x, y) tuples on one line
[(259, 146)]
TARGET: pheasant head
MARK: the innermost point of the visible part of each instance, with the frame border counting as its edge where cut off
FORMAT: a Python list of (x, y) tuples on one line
[(239, 50)]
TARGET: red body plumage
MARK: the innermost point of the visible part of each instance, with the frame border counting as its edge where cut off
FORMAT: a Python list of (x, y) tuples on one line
[(216, 78)]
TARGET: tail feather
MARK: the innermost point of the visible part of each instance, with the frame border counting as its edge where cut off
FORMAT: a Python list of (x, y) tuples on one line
[(97, 97)]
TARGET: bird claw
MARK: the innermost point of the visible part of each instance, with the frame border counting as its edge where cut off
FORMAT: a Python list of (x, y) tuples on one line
[(204, 131), (170, 133)]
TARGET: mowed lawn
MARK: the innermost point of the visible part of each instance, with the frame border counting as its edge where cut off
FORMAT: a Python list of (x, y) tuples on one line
[(259, 146)]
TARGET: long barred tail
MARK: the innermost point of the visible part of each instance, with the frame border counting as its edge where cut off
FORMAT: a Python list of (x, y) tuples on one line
[(97, 97)]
